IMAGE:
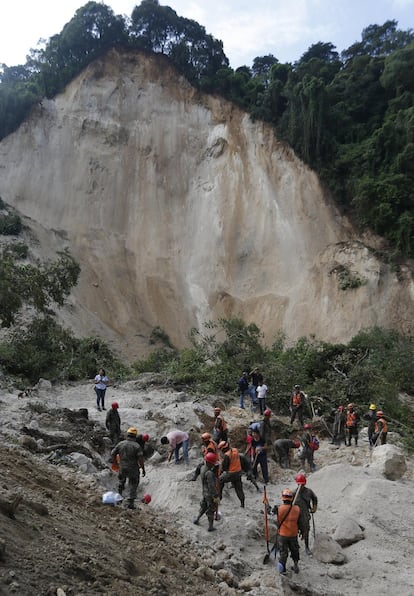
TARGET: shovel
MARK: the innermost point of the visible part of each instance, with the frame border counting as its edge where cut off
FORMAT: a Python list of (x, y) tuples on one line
[(266, 502)]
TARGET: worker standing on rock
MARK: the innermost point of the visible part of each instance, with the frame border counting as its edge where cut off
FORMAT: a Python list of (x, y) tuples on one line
[(287, 523), (338, 428), (259, 449), (371, 418), (297, 404), (282, 449), (177, 439), (220, 430), (210, 498), (131, 460), (113, 423), (307, 451), (231, 470), (380, 429), (308, 503), (352, 420)]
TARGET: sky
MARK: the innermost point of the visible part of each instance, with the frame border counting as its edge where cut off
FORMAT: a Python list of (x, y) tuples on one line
[(247, 28)]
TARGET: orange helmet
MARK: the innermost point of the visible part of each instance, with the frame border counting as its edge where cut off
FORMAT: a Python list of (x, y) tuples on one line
[(205, 437), (287, 494), (223, 445), (300, 479), (210, 458)]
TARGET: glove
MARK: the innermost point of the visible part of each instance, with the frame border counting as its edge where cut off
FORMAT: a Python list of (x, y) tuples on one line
[(143, 472), (216, 501), (313, 509)]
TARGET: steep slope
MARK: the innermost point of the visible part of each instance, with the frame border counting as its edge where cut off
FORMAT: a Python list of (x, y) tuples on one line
[(180, 209)]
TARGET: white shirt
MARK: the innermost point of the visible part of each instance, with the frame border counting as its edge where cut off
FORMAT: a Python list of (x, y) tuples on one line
[(261, 391)]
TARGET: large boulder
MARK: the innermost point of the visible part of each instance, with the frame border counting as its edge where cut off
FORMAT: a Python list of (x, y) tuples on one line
[(389, 460), (327, 550), (348, 531)]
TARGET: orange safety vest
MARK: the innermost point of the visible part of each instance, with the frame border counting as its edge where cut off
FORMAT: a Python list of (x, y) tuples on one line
[(384, 426), (211, 447), (351, 419), (220, 423), (297, 399), (234, 457), (289, 521)]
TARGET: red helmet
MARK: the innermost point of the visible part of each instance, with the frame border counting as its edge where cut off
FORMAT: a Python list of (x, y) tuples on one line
[(287, 494), (145, 438), (115, 405), (210, 458), (307, 427), (223, 445), (297, 444), (267, 412), (300, 479), (205, 437), (146, 499)]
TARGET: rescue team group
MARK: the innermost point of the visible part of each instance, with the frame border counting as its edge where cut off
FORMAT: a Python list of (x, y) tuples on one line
[(222, 464)]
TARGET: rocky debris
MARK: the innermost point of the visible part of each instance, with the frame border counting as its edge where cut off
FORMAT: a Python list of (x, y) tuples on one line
[(389, 460), (328, 550), (348, 531), (9, 506)]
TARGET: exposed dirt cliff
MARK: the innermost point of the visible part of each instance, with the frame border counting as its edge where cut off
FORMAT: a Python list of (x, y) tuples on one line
[(181, 209)]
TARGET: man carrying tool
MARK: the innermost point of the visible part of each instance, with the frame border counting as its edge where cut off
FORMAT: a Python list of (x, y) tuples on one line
[(288, 515), (210, 499), (131, 460), (308, 504), (231, 470), (282, 449)]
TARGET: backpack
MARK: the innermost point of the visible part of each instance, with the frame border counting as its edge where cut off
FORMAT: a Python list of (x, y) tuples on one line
[(314, 443)]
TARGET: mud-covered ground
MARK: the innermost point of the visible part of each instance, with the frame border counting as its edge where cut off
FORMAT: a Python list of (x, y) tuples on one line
[(63, 540)]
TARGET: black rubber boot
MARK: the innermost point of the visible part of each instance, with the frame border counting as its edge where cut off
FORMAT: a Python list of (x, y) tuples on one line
[(211, 527), (131, 504)]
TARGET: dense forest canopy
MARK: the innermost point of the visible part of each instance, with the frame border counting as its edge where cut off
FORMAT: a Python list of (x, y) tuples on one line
[(349, 115)]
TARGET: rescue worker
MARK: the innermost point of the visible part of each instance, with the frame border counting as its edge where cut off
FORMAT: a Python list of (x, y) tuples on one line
[(297, 404), (259, 449), (266, 428), (338, 428), (244, 388), (371, 418), (231, 470), (307, 452), (210, 499), (141, 440), (287, 533), (308, 503), (380, 430), (247, 469), (177, 439), (282, 449), (208, 446), (113, 423), (352, 420), (131, 460), (220, 429)]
